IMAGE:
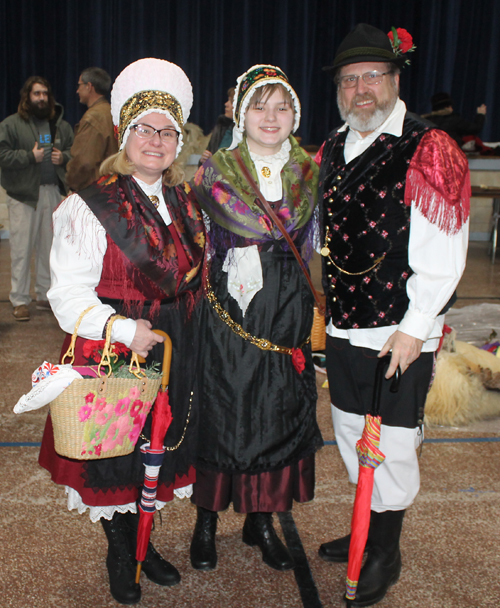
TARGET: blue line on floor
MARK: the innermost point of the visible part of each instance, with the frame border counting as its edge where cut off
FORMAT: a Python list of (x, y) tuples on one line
[(35, 444), (463, 440), (20, 444), (302, 571), (447, 440)]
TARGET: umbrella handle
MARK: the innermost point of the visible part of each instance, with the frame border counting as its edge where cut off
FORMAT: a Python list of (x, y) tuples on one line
[(382, 363), (167, 357)]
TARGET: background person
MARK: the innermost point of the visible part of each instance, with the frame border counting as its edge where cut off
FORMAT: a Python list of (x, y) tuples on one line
[(132, 243), (94, 135), (445, 118), (258, 412), (34, 150), (222, 133)]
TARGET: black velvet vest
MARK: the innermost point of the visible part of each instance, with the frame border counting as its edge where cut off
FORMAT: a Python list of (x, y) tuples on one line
[(366, 225)]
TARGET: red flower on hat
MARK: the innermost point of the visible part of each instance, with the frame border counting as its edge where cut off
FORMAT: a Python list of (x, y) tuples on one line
[(401, 41), (404, 37)]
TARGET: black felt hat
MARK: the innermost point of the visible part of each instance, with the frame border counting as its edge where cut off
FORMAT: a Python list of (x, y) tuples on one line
[(440, 101), (365, 43)]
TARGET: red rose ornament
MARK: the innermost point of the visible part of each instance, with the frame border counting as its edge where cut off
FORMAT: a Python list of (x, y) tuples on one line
[(298, 360), (404, 40)]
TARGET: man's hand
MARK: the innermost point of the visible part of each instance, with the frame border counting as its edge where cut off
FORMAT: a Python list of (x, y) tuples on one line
[(56, 157), (405, 350), (37, 153), (481, 109), (144, 338)]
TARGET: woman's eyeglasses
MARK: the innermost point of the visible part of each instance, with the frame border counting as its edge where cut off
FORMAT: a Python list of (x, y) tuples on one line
[(167, 135)]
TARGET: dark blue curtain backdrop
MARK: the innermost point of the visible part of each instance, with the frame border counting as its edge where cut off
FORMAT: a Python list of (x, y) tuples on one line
[(216, 40)]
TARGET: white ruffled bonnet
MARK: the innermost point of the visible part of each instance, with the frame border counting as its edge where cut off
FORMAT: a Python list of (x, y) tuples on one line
[(150, 85)]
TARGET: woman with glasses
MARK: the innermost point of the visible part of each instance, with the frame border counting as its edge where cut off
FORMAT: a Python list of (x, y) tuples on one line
[(132, 243), (258, 410)]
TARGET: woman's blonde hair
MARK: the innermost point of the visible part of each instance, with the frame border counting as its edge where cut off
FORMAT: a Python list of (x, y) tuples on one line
[(119, 163)]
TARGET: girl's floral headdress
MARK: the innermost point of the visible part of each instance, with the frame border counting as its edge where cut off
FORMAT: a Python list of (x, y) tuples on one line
[(258, 76)]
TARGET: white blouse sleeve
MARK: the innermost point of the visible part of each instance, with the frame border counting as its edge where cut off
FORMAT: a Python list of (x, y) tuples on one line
[(76, 260), (438, 261)]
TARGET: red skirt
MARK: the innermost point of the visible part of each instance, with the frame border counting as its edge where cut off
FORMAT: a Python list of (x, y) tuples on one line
[(268, 492), (69, 472), (118, 481)]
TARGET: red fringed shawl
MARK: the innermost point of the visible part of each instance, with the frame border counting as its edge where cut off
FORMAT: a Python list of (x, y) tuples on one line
[(439, 183)]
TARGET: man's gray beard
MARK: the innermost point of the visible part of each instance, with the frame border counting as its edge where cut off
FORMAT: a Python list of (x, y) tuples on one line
[(367, 124)]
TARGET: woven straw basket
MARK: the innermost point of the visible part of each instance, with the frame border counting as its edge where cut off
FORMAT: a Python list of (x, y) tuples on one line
[(101, 416), (318, 332)]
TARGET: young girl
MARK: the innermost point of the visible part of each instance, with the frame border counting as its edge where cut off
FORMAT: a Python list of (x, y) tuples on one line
[(258, 430)]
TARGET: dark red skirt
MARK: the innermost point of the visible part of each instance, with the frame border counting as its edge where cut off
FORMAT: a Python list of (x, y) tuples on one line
[(69, 472), (269, 492), (118, 481)]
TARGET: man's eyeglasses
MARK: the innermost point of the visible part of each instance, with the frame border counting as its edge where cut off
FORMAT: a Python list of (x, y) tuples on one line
[(370, 78), (167, 135)]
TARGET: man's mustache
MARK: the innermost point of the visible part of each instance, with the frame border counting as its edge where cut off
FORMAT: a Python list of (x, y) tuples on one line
[(368, 96)]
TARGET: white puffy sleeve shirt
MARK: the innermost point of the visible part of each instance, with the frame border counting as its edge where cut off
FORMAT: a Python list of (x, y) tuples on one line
[(76, 261)]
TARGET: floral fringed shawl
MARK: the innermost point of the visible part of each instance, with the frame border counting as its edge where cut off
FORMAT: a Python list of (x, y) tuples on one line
[(158, 260), (227, 198)]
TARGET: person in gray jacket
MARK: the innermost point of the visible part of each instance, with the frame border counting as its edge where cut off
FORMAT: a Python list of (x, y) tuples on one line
[(35, 145)]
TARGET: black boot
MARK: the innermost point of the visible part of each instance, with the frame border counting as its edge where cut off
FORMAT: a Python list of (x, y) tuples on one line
[(258, 530), (202, 551), (120, 561), (157, 569), (336, 550), (383, 564)]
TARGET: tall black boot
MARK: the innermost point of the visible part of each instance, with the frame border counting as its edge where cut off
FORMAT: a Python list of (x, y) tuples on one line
[(258, 530), (202, 551), (154, 566), (383, 564), (120, 561)]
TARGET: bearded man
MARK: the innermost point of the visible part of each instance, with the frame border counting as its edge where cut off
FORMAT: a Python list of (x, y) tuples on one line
[(35, 146), (394, 227)]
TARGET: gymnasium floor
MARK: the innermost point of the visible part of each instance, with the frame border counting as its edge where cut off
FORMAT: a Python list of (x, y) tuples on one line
[(55, 558)]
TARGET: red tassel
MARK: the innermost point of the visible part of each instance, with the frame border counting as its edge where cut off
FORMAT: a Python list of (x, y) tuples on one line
[(438, 181)]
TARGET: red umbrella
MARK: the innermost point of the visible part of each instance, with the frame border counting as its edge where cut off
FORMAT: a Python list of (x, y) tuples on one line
[(152, 458), (370, 457)]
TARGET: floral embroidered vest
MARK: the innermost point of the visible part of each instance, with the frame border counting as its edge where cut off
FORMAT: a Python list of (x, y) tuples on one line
[(366, 222)]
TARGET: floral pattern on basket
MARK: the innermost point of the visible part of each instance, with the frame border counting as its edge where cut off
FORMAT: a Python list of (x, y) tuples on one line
[(110, 425)]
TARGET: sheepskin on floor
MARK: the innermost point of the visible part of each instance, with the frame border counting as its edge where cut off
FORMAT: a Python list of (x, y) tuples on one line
[(460, 393)]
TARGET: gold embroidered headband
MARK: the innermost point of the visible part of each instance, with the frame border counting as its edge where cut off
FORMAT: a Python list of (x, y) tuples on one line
[(148, 100)]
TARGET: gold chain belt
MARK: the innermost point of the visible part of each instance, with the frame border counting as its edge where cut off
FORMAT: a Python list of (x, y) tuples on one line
[(239, 331), (178, 444)]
